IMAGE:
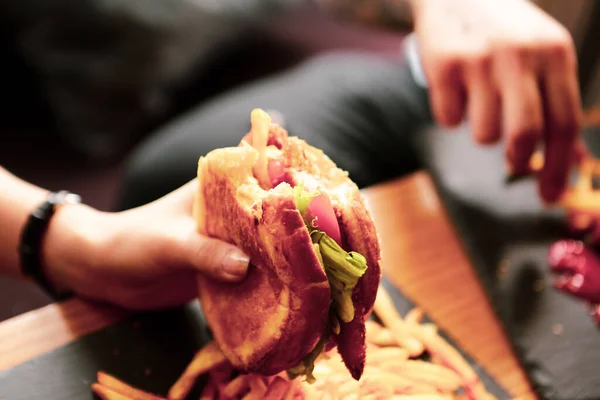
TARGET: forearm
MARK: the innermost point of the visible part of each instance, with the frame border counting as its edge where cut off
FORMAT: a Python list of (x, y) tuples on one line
[(393, 14), (17, 200)]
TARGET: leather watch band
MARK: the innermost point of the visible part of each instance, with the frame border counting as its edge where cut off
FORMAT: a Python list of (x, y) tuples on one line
[(32, 235)]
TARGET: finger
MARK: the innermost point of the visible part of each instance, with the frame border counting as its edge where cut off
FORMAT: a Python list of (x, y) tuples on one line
[(563, 256), (580, 152), (569, 284), (185, 248), (483, 102), (447, 93), (561, 282), (563, 122), (523, 116), (595, 312), (577, 285)]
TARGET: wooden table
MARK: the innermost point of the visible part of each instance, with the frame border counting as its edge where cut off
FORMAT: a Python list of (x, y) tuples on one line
[(421, 255)]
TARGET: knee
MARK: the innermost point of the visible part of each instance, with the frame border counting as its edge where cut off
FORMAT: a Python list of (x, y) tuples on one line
[(336, 61), (387, 83)]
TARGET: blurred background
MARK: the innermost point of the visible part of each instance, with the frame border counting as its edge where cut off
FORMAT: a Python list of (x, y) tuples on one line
[(83, 81)]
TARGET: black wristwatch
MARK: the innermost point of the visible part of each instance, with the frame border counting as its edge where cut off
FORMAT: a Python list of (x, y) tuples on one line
[(32, 235)]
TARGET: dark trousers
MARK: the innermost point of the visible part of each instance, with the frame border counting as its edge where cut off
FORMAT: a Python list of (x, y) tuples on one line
[(360, 109)]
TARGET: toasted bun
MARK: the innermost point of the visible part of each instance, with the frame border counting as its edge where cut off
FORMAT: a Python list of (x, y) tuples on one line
[(271, 320), (311, 166)]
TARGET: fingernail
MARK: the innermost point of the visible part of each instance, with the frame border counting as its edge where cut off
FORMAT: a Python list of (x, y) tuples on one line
[(235, 264)]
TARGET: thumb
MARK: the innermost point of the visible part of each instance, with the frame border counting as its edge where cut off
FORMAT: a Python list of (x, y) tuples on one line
[(210, 256)]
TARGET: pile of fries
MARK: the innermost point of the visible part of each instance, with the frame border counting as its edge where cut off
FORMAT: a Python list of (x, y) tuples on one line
[(393, 370)]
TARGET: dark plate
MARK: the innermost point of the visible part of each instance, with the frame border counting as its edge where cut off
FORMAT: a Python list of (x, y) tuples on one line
[(506, 225), (148, 351)]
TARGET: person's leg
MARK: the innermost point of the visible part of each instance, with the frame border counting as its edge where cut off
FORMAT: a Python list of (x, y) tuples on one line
[(358, 108)]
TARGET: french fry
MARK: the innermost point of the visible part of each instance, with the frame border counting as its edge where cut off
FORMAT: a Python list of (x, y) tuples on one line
[(221, 374), (397, 383), (115, 385), (429, 329), (391, 365), (476, 391), (414, 316), (236, 386), (308, 393), (372, 328), (252, 396), (440, 377), (427, 336), (435, 359), (277, 389), (391, 372), (209, 392), (257, 385), (108, 394), (450, 357), (296, 390), (422, 397), (385, 310), (348, 388), (386, 354), (384, 338), (419, 388), (447, 354), (210, 356), (371, 387), (335, 364), (427, 368)]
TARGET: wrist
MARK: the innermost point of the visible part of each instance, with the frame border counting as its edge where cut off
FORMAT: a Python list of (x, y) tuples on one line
[(415, 7), (70, 244)]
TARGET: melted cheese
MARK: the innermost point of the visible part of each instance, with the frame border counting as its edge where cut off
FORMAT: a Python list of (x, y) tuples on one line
[(199, 207), (261, 123)]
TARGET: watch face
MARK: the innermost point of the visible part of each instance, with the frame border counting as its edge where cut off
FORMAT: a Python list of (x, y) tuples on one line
[(64, 197), (72, 198)]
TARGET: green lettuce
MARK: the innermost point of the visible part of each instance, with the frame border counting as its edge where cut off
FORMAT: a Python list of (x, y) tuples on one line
[(343, 270)]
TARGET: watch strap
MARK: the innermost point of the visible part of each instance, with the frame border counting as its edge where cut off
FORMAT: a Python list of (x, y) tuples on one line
[(32, 236)]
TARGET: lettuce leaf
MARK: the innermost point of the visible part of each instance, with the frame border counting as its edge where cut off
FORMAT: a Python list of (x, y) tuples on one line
[(343, 270)]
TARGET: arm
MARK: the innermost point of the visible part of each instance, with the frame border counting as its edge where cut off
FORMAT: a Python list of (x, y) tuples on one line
[(70, 227), (17, 200), (143, 258), (510, 70)]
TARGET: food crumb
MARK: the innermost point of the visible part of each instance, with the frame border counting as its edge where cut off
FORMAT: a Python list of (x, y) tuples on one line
[(538, 285), (558, 329), (147, 372)]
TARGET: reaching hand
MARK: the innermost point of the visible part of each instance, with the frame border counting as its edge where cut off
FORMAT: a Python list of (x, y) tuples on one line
[(577, 269), (144, 258), (512, 70)]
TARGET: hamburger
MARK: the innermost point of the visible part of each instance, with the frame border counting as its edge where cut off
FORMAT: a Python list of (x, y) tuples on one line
[(314, 253)]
